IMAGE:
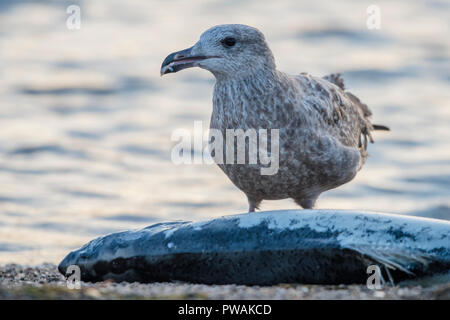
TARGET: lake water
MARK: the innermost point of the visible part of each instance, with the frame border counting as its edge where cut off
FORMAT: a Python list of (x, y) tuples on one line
[(86, 120)]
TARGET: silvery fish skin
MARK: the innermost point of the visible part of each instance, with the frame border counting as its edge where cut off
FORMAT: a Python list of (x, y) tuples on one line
[(266, 248)]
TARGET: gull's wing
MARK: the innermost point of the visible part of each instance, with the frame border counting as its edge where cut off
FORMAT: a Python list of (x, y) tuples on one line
[(339, 112)]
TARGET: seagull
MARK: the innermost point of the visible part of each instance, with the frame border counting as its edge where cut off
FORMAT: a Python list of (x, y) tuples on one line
[(323, 129)]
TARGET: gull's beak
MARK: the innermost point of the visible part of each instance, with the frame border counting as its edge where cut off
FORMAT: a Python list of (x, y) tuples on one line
[(180, 60)]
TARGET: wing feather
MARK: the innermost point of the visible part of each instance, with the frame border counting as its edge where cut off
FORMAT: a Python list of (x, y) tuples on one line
[(341, 112)]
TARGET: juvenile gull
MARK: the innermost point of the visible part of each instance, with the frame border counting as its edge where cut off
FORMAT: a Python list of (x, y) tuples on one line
[(323, 129)]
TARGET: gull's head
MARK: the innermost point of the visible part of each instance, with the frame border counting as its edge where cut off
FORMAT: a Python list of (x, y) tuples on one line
[(231, 50)]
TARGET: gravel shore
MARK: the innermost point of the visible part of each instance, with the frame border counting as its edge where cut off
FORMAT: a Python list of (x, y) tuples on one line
[(45, 282)]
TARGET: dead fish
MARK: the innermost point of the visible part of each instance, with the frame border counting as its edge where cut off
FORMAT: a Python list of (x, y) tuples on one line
[(272, 247)]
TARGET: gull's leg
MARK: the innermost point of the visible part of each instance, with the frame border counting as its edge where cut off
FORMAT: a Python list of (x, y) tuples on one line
[(253, 204), (306, 203)]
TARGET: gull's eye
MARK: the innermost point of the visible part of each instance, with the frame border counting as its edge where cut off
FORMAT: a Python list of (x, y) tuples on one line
[(229, 42)]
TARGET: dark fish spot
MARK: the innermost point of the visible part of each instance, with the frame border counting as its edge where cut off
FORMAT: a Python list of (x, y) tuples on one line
[(399, 234), (440, 251)]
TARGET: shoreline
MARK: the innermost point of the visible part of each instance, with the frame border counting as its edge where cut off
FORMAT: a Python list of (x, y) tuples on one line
[(45, 282)]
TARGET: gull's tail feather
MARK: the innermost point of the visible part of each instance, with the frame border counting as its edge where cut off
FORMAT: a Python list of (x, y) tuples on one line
[(380, 127), (337, 79)]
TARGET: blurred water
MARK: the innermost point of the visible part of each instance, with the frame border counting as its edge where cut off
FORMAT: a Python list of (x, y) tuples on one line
[(86, 120)]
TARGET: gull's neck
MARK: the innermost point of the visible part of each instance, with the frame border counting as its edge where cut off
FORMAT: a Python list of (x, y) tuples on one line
[(260, 82)]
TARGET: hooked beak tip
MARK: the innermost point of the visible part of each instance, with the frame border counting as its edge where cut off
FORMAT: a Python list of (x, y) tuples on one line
[(165, 69), (170, 64)]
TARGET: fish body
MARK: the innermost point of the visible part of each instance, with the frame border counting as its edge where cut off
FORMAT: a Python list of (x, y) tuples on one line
[(267, 248)]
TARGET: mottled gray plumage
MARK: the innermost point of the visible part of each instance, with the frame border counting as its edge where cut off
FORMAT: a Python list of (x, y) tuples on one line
[(323, 129)]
